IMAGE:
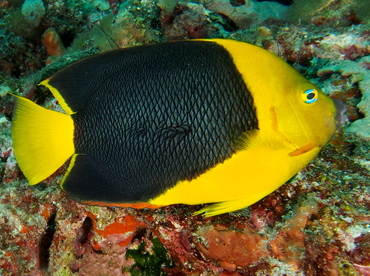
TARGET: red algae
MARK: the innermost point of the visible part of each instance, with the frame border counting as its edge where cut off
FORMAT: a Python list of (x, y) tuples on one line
[(231, 247), (126, 226), (290, 242)]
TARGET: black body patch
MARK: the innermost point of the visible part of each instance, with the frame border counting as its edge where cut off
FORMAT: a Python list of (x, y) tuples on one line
[(150, 116)]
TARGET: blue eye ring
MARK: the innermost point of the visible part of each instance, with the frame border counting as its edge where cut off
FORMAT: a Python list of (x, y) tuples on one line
[(310, 96)]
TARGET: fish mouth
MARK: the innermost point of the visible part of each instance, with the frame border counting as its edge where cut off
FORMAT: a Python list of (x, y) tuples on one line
[(340, 117)]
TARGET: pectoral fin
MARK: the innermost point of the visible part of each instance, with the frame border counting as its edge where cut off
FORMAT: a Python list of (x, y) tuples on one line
[(306, 148)]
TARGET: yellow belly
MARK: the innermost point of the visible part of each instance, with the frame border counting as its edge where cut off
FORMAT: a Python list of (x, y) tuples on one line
[(247, 177)]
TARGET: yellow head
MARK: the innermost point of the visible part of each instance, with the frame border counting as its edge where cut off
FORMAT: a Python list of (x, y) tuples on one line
[(287, 103)]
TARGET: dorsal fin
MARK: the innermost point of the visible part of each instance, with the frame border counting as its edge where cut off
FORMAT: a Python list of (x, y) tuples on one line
[(73, 85)]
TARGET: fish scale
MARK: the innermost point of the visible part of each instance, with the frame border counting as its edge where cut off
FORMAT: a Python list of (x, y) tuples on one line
[(218, 146)]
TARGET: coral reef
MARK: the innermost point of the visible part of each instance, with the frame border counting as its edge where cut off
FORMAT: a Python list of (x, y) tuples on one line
[(317, 224), (357, 73)]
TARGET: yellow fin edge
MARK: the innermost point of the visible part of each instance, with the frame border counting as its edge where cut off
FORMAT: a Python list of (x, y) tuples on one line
[(42, 139), (69, 169), (58, 96)]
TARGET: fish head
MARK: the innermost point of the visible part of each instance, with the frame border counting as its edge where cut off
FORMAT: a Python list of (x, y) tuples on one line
[(305, 117)]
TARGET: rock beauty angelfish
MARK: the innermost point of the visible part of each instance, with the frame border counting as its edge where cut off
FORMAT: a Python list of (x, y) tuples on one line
[(191, 122)]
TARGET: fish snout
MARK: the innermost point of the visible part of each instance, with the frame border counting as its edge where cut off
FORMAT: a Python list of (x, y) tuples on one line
[(340, 117)]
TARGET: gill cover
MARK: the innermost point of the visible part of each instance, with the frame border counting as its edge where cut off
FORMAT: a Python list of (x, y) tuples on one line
[(309, 122)]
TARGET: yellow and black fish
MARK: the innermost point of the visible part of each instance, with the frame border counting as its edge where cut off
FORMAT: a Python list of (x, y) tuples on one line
[(187, 122)]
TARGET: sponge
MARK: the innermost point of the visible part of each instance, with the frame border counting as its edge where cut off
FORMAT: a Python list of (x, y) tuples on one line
[(33, 11)]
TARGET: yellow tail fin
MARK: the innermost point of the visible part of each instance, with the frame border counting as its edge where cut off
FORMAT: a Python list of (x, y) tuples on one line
[(42, 139)]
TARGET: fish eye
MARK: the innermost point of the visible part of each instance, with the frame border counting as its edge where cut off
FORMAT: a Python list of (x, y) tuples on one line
[(309, 96)]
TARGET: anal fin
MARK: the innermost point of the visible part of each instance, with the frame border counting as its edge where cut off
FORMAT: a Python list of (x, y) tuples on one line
[(228, 206)]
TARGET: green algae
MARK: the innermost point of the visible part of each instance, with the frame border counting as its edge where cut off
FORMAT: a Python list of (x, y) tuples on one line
[(346, 268), (147, 263)]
